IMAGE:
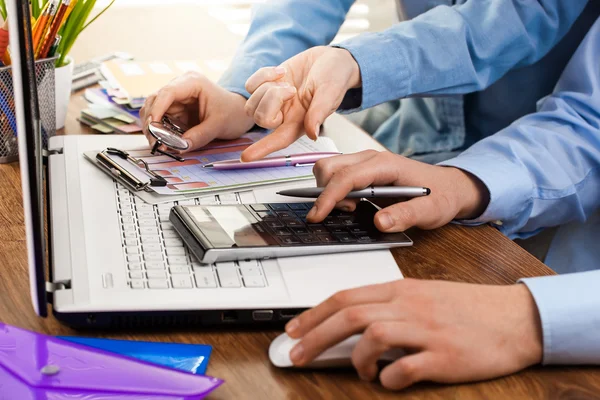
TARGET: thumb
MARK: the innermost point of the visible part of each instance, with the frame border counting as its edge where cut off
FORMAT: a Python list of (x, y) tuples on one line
[(201, 134), (421, 212)]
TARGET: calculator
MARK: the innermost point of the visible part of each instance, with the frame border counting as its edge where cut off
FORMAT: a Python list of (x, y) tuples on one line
[(262, 231)]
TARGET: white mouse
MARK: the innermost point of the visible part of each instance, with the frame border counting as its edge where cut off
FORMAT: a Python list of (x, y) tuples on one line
[(339, 355)]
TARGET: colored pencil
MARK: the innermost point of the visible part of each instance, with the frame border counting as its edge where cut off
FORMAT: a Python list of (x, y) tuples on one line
[(40, 24), (48, 23), (56, 23), (69, 10)]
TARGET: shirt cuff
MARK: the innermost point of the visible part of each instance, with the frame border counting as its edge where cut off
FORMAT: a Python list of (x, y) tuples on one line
[(234, 79), (351, 101), (568, 306), (383, 78), (508, 183)]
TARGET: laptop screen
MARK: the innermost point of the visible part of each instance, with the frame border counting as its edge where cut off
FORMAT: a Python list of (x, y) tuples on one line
[(30, 145)]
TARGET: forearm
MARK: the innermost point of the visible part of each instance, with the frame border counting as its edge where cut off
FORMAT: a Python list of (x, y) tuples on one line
[(281, 29), (531, 187), (460, 49), (544, 169), (569, 311)]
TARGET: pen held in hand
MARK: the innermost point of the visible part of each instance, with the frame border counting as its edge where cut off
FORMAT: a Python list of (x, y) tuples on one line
[(370, 192), (294, 160)]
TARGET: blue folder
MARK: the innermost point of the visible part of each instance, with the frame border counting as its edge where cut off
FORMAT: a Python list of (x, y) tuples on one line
[(187, 357)]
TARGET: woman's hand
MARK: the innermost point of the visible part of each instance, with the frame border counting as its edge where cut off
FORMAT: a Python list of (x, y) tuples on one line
[(453, 332), (297, 96), (210, 111)]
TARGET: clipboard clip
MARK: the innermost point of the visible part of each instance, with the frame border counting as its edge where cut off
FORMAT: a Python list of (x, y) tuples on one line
[(125, 176)]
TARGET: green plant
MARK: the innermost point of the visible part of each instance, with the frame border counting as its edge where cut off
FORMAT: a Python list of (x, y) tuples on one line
[(76, 22), (36, 8)]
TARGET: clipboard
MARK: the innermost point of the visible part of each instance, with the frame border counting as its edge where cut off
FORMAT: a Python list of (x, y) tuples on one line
[(187, 179), (136, 184), (132, 180)]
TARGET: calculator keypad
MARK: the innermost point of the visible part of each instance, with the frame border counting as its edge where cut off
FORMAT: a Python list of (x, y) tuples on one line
[(287, 224)]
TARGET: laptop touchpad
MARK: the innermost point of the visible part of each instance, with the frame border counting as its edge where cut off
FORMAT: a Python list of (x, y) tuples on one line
[(311, 279)]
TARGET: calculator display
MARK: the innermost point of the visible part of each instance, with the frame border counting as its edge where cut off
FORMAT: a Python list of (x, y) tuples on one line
[(228, 226)]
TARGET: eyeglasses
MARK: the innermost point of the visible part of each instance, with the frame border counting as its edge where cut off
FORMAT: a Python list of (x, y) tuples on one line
[(156, 149), (168, 132)]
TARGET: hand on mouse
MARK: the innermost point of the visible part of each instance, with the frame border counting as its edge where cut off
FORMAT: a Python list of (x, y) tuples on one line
[(453, 332), (454, 193), (210, 111), (298, 96)]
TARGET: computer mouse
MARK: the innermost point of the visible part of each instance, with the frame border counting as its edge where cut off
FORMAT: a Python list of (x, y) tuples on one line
[(337, 356)]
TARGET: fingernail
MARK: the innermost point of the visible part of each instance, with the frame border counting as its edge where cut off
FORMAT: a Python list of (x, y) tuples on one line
[(283, 84), (364, 378), (312, 212), (279, 70), (385, 220), (149, 120), (292, 326), (189, 142), (297, 353)]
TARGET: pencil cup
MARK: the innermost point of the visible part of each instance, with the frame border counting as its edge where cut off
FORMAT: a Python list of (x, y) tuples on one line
[(44, 76)]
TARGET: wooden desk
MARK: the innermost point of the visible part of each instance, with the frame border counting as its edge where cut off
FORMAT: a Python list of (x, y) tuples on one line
[(479, 255)]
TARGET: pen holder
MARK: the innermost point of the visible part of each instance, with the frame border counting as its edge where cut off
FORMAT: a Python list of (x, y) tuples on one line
[(44, 75)]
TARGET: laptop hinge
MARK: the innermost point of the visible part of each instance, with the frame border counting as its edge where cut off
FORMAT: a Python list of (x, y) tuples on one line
[(48, 153), (52, 287), (48, 246)]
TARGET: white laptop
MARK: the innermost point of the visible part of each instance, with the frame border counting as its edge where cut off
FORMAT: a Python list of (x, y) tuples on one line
[(114, 260)]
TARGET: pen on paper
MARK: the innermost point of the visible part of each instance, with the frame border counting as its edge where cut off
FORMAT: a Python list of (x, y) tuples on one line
[(293, 160)]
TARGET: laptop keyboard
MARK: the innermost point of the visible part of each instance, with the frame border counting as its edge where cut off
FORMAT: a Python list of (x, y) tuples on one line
[(157, 258)]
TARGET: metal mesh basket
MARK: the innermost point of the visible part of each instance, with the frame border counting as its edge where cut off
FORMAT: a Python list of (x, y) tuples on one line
[(44, 73)]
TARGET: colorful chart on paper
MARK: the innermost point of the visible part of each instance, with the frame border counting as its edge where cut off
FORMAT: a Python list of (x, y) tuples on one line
[(190, 177)]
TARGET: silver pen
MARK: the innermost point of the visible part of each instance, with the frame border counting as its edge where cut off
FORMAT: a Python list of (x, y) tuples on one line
[(370, 192)]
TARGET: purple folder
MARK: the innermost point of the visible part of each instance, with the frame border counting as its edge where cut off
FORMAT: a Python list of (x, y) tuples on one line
[(35, 366)]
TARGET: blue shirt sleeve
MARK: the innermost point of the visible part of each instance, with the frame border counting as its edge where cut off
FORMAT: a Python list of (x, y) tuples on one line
[(456, 50), (568, 306), (279, 30), (542, 171)]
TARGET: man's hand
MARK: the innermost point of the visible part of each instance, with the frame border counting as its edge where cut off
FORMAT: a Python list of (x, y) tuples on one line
[(298, 95), (453, 332), (454, 193), (210, 111)]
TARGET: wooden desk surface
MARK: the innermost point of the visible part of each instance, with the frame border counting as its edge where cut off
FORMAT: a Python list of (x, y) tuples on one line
[(479, 255)]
